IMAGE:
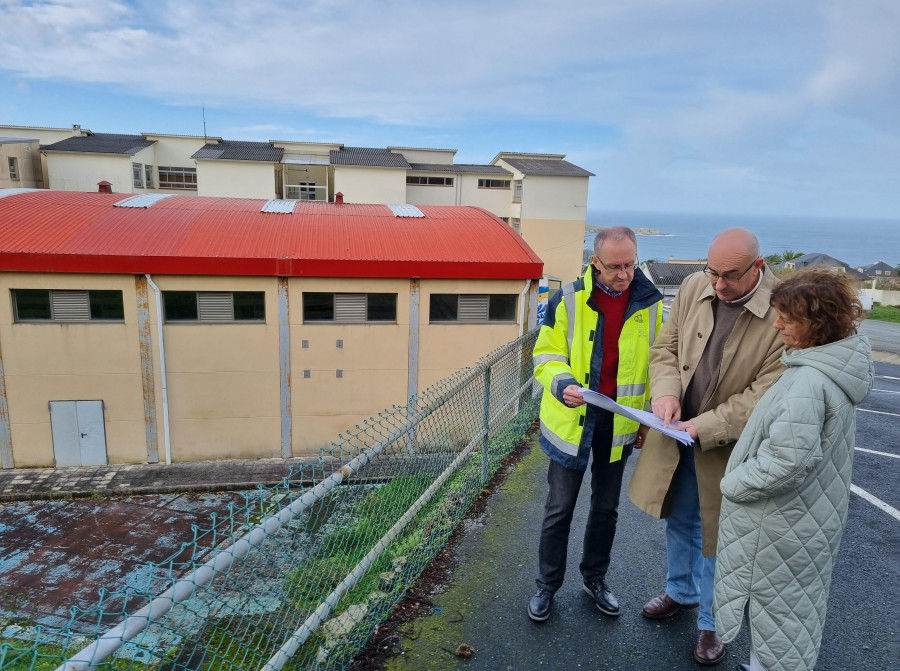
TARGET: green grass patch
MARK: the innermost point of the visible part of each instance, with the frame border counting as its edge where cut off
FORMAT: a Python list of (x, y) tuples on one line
[(885, 313)]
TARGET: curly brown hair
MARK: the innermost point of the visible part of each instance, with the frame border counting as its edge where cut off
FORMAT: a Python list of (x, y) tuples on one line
[(823, 300)]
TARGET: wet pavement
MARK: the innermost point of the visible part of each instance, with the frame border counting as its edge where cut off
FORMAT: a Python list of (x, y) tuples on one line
[(484, 602)]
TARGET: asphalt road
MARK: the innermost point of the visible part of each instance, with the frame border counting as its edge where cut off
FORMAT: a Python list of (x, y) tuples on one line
[(884, 336), (485, 602)]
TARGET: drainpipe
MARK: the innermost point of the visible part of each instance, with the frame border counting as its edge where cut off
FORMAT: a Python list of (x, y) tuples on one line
[(522, 307), (162, 368)]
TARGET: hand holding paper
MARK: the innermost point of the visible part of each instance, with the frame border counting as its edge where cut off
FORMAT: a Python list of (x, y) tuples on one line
[(642, 416)]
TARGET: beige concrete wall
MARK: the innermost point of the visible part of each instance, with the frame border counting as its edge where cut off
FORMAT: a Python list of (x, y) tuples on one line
[(70, 171), (496, 201), (236, 179), (44, 135), (374, 360), (74, 361), (444, 348), (173, 151), (417, 155), (548, 197), (558, 243), (553, 210), (28, 161), (370, 185), (433, 195), (223, 379)]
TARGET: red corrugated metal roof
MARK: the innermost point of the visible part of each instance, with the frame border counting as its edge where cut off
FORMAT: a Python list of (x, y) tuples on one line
[(68, 231)]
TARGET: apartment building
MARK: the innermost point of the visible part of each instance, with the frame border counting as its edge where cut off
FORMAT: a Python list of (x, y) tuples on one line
[(542, 197), (20, 163), (172, 327)]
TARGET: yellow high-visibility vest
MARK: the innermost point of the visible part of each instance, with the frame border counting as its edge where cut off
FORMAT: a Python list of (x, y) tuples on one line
[(570, 346)]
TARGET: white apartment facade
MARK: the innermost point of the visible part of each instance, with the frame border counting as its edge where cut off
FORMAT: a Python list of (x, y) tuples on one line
[(541, 196)]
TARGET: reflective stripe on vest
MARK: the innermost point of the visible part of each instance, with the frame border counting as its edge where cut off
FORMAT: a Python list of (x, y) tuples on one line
[(654, 311), (631, 390), (554, 385), (544, 358), (557, 442), (569, 298)]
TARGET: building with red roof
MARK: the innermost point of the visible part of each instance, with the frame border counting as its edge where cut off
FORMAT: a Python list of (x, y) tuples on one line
[(166, 327)]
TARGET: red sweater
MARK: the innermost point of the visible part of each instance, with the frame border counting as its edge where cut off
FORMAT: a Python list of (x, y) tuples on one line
[(613, 310)]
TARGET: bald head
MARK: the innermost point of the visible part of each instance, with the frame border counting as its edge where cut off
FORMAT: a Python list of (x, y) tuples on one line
[(735, 242), (734, 263)]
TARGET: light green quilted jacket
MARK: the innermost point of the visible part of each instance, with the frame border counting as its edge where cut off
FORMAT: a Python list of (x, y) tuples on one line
[(786, 490)]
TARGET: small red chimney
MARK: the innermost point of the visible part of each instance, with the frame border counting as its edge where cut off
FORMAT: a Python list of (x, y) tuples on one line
[(339, 198), (104, 187)]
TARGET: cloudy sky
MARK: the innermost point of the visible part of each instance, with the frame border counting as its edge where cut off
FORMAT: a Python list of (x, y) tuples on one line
[(737, 106)]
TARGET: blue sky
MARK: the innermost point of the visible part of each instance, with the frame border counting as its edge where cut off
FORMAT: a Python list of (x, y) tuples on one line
[(744, 106)]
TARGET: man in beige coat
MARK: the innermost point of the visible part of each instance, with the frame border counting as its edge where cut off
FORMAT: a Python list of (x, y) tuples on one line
[(714, 358)]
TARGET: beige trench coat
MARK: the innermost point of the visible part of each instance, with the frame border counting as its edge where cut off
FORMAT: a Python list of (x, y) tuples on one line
[(751, 362)]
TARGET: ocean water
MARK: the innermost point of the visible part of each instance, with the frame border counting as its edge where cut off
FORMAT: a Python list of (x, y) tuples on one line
[(857, 242)]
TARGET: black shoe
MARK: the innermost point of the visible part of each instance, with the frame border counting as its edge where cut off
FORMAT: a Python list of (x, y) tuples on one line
[(604, 599), (539, 606)]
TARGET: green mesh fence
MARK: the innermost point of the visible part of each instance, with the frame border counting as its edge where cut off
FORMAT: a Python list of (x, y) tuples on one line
[(301, 575)]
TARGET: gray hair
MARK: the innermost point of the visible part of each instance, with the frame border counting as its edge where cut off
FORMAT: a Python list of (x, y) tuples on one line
[(613, 233)]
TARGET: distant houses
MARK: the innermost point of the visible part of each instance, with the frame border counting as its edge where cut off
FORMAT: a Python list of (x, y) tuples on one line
[(817, 259), (879, 270), (668, 276)]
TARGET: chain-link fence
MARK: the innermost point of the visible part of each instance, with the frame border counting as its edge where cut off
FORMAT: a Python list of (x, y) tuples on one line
[(300, 576)]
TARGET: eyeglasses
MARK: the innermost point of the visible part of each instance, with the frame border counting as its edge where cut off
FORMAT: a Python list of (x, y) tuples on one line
[(627, 267), (729, 276)]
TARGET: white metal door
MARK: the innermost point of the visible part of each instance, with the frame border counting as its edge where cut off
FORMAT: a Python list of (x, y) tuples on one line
[(79, 434)]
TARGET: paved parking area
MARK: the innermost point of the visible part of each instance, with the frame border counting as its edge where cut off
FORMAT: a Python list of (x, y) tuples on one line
[(485, 603)]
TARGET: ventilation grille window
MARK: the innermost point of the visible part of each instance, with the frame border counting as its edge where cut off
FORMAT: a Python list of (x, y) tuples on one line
[(349, 307), (70, 306), (473, 308), (216, 306)]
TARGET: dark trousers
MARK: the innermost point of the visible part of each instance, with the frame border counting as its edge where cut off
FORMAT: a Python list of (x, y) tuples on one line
[(564, 485)]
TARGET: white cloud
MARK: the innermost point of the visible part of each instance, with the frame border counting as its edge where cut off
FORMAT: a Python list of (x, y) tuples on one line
[(705, 98)]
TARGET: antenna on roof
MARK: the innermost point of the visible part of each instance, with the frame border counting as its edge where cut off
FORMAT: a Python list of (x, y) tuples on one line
[(204, 124)]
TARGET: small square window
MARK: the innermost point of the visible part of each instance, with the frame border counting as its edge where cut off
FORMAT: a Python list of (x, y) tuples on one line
[(318, 307), (106, 305), (32, 304), (249, 306), (180, 305)]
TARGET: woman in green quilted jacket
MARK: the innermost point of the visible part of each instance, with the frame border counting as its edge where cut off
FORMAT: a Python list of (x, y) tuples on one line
[(787, 484)]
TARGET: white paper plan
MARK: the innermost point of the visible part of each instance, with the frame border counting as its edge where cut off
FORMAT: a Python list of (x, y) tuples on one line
[(642, 416)]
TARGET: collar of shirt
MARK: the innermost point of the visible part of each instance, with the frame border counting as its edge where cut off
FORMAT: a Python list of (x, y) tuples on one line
[(745, 299), (605, 289)]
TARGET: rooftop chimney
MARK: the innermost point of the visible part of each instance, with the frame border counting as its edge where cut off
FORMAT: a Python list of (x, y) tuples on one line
[(104, 187), (339, 198)]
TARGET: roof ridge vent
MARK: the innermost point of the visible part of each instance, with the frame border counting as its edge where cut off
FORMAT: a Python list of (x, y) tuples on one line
[(279, 206), (144, 200), (405, 210)]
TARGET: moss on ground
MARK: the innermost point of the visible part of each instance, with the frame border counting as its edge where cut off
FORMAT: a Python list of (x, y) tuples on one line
[(431, 641)]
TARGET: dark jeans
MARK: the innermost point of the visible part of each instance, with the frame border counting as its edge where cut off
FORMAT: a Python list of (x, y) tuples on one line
[(564, 484)]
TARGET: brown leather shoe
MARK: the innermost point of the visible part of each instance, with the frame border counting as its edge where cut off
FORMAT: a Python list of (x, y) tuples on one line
[(663, 606), (709, 649)]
